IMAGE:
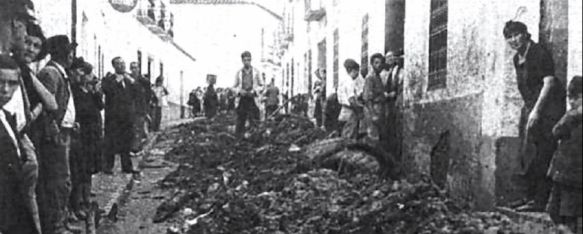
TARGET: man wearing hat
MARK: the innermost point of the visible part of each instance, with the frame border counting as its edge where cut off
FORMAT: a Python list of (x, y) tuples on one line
[(54, 173), (544, 105), (393, 81), (29, 100), (119, 89), (14, 16)]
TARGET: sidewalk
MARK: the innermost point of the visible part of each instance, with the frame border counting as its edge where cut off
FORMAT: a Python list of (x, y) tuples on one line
[(137, 203), (109, 190)]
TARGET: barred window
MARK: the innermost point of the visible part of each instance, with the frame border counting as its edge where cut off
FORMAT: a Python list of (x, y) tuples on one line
[(438, 45)]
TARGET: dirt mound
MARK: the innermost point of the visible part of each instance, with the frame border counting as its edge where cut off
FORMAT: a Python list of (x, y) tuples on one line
[(263, 184)]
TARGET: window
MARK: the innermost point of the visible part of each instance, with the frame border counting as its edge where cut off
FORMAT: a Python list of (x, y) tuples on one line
[(438, 45), (335, 59), (364, 47)]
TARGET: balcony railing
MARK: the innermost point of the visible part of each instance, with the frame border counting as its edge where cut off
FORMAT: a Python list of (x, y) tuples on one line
[(314, 10), (315, 15), (155, 18)]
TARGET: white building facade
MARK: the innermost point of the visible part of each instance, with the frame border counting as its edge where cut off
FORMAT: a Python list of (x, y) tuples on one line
[(460, 94), (103, 33)]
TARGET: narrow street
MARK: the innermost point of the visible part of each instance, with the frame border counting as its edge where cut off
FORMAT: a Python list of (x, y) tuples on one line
[(197, 178), (291, 117)]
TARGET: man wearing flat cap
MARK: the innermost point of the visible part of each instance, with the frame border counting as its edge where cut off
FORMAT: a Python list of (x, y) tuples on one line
[(54, 184)]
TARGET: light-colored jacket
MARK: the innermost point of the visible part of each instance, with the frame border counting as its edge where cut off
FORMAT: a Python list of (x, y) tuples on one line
[(257, 85), (349, 88)]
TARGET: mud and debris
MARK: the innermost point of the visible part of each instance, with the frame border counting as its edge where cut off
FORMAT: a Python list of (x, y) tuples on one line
[(257, 185)]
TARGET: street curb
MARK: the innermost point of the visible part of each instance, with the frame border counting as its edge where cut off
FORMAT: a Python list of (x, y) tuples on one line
[(123, 192)]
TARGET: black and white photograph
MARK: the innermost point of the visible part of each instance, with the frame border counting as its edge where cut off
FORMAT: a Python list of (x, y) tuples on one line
[(291, 117)]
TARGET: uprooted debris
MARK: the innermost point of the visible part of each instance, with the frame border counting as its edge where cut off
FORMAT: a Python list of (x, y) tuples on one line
[(259, 185)]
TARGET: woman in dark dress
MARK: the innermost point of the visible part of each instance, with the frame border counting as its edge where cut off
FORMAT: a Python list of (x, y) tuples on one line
[(87, 150), (194, 102)]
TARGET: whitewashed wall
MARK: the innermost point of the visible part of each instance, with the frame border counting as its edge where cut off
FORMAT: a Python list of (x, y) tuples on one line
[(118, 34)]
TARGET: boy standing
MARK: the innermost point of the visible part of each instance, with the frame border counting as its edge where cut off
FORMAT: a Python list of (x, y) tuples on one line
[(565, 203), (348, 96)]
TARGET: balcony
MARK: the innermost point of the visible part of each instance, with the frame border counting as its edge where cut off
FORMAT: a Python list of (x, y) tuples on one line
[(315, 15), (314, 10), (154, 16)]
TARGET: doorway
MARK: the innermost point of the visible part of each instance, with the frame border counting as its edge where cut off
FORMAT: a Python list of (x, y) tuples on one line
[(554, 34)]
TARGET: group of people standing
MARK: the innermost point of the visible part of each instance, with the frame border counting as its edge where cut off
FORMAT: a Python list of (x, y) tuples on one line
[(210, 101), (53, 137), (366, 106), (244, 98), (550, 164)]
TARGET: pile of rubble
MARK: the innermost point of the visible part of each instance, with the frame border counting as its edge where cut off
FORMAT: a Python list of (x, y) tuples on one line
[(263, 185)]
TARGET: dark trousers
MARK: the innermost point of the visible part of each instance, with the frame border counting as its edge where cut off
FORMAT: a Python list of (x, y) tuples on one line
[(118, 138), (537, 149), (394, 129), (269, 110), (318, 112), (81, 171), (30, 178), (54, 182), (564, 206), (210, 110), (246, 111), (156, 118), (126, 161), (15, 217)]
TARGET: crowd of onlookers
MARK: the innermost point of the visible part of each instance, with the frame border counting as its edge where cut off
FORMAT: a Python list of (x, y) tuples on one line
[(62, 124), (209, 101)]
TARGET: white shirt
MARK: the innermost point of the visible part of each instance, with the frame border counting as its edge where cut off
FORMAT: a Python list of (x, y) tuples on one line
[(16, 107), (69, 119), (350, 88), (6, 126)]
